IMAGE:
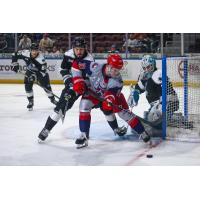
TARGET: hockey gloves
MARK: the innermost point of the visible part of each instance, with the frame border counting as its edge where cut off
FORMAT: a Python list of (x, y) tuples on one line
[(79, 85), (15, 67), (134, 98), (108, 102)]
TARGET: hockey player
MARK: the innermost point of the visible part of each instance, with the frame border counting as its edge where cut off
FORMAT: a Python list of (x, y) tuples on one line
[(36, 71), (78, 54), (150, 82), (104, 83)]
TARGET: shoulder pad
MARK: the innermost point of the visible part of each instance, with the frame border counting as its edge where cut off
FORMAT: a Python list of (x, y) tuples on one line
[(89, 57), (157, 77), (115, 82), (70, 53), (41, 59), (25, 53)]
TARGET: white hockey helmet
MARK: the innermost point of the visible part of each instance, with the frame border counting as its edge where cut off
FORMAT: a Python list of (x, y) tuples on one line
[(148, 65)]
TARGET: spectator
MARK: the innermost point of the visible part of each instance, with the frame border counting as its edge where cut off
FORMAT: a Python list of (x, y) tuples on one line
[(45, 43), (136, 43), (24, 43), (113, 49), (55, 50)]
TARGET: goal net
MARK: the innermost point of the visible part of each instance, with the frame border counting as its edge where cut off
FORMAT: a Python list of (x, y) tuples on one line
[(181, 108)]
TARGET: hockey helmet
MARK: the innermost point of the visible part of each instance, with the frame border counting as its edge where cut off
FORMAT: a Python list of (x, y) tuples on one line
[(148, 63), (115, 61), (34, 46), (79, 42)]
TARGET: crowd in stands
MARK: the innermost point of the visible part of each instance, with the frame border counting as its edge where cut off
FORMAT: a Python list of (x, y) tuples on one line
[(56, 43)]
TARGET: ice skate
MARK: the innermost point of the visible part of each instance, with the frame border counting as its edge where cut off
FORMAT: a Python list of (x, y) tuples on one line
[(146, 137), (81, 142), (43, 135), (30, 105), (120, 131)]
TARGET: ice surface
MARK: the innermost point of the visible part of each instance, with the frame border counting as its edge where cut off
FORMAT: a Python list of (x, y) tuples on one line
[(19, 129)]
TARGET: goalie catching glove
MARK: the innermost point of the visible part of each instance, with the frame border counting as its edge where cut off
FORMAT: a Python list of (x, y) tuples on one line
[(15, 67)]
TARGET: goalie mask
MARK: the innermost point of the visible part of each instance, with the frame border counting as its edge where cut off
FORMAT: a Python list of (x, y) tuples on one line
[(148, 65)]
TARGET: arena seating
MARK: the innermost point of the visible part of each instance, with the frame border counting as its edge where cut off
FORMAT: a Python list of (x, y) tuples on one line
[(101, 42)]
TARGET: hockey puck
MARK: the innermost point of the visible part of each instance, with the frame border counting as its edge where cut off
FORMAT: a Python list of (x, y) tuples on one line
[(149, 156)]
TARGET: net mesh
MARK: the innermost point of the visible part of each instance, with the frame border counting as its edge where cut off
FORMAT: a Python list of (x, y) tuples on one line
[(183, 105)]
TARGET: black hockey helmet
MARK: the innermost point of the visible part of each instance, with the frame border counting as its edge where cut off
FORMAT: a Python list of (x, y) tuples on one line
[(79, 42), (34, 46)]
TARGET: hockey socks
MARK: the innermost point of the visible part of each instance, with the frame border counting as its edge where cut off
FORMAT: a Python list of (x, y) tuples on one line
[(137, 126), (84, 122), (50, 123)]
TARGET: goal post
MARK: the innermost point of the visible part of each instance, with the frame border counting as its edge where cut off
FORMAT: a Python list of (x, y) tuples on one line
[(181, 121)]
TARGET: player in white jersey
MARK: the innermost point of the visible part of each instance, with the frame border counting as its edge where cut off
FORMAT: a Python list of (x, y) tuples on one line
[(36, 71), (102, 83)]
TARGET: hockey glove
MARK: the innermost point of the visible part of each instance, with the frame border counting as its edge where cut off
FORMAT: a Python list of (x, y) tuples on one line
[(79, 86), (15, 67), (31, 78), (107, 103), (70, 94), (134, 98)]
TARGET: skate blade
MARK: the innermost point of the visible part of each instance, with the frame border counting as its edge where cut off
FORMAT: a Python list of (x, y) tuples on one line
[(30, 109), (80, 146), (40, 141)]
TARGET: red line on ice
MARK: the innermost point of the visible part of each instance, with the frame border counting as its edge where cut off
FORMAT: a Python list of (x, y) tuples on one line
[(143, 153)]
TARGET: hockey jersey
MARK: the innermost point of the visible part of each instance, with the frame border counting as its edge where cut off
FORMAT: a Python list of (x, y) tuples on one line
[(153, 86), (33, 64), (69, 58), (96, 80)]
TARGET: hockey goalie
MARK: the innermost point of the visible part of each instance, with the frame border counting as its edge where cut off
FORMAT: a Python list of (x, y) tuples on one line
[(150, 82)]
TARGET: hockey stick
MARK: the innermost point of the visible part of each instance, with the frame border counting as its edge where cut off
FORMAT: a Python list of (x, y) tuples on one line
[(41, 86), (120, 108)]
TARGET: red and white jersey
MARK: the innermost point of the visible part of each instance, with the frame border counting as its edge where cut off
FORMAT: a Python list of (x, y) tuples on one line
[(96, 80)]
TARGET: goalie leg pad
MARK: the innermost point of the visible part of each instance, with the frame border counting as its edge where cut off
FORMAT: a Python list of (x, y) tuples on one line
[(154, 114)]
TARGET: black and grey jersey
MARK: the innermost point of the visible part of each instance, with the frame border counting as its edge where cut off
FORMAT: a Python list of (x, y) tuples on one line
[(153, 87), (33, 64), (66, 65)]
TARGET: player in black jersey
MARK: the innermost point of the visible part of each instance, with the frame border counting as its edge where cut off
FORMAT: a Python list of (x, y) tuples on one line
[(36, 71)]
